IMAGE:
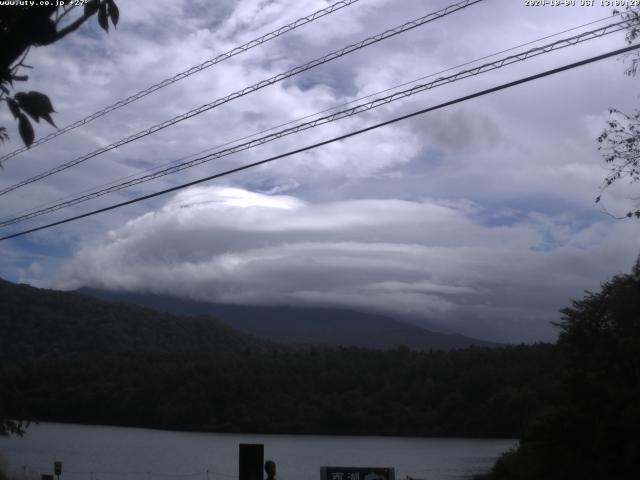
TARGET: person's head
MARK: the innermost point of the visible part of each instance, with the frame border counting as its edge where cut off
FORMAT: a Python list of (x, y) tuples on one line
[(270, 468)]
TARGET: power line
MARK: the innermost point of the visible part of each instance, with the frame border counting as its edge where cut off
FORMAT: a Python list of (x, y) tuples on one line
[(187, 73), (262, 84), (334, 139), (9, 219), (509, 60)]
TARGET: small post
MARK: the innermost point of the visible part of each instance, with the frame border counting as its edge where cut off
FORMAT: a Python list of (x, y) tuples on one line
[(57, 468), (251, 461)]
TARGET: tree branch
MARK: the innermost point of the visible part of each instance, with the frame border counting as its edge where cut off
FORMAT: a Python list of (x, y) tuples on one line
[(65, 12), (72, 27)]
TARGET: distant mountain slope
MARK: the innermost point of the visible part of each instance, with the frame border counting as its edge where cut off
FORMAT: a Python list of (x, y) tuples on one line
[(36, 322), (303, 325)]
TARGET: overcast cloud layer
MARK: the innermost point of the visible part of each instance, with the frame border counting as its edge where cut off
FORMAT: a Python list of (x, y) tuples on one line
[(478, 218)]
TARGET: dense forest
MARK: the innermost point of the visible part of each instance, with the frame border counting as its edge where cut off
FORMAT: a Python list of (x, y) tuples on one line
[(592, 430), (474, 392), (37, 322), (71, 357)]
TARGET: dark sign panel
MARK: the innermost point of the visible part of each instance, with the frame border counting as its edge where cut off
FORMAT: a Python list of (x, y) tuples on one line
[(356, 473), (251, 461)]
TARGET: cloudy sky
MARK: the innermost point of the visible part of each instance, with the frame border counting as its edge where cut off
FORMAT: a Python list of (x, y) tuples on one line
[(478, 218)]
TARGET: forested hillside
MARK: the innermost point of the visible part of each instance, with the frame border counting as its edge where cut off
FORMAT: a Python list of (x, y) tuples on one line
[(303, 325), (474, 392), (73, 358), (36, 322)]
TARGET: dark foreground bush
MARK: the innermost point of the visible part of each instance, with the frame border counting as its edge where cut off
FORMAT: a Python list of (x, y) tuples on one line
[(593, 432)]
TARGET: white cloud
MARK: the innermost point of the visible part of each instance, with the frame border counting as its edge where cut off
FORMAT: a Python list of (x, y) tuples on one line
[(432, 262), (478, 217)]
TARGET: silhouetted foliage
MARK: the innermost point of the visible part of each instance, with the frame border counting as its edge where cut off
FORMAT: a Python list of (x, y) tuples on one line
[(594, 431), (25, 26), (11, 411), (620, 140), (620, 147), (38, 322), (10, 427), (479, 392), (632, 18)]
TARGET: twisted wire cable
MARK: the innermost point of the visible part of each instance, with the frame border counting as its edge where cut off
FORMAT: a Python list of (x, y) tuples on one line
[(187, 73), (355, 110), (334, 139), (262, 84), (335, 107)]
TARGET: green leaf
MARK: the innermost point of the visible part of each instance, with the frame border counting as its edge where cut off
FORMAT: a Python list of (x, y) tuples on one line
[(103, 17), (43, 31), (49, 120), (42, 102), (91, 7), (5, 74), (13, 107), (25, 104), (114, 12), (37, 105), (26, 130)]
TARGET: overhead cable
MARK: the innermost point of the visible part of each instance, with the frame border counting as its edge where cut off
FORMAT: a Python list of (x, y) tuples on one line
[(262, 84), (299, 119), (187, 73), (355, 110), (332, 140)]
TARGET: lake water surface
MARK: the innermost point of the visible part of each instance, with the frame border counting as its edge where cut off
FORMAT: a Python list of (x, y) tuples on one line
[(116, 453)]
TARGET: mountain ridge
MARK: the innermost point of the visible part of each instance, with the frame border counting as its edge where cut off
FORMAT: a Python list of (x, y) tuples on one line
[(37, 322), (303, 325)]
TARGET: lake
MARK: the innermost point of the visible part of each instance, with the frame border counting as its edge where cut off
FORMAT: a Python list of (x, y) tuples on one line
[(116, 453)]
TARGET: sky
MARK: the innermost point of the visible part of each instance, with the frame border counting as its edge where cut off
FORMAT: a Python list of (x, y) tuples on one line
[(478, 218)]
